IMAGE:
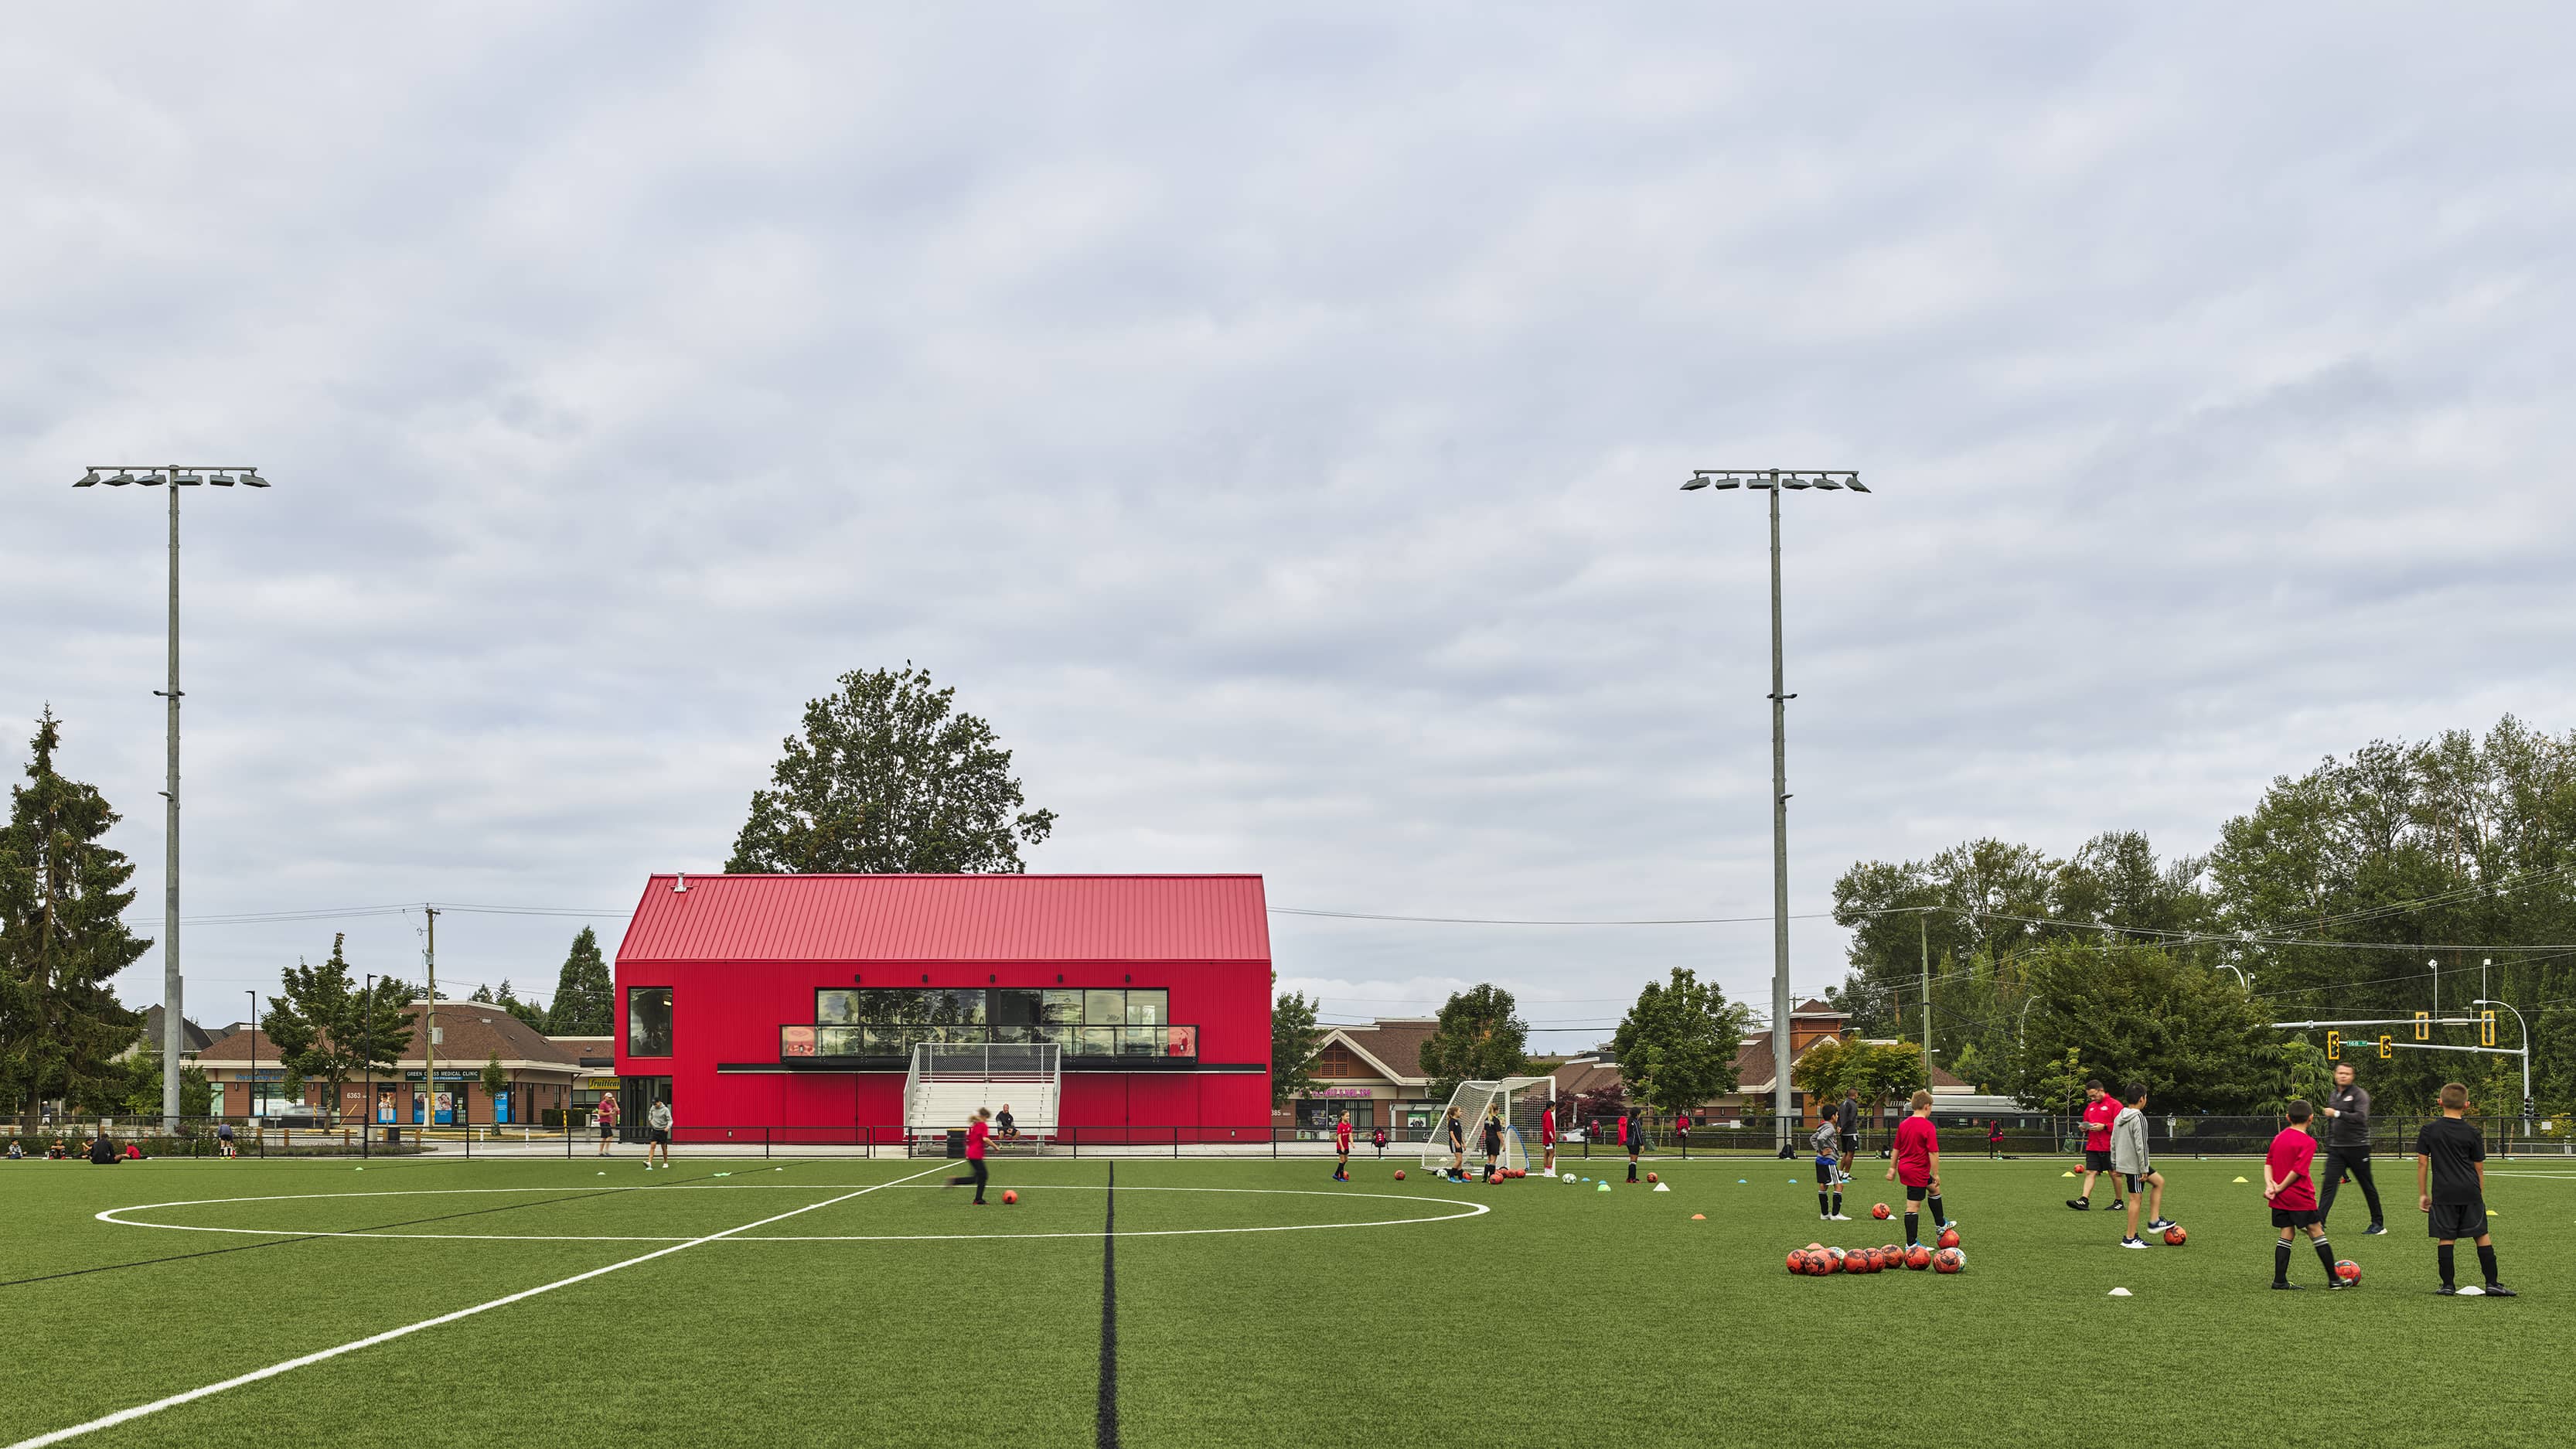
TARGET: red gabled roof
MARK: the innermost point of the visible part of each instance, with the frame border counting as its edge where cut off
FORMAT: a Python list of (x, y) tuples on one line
[(950, 918)]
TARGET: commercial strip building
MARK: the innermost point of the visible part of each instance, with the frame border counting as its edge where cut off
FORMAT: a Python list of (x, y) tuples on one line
[(1372, 1072), (794, 1003), (542, 1076)]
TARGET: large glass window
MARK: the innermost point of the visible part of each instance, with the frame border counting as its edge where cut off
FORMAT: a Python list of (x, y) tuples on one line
[(1007, 1007), (1060, 1006), (836, 1008), (1104, 1008), (648, 1021), (836, 1041), (957, 1008), (1149, 1008)]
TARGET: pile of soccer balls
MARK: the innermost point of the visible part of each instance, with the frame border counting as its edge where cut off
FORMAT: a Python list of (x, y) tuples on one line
[(1819, 1261)]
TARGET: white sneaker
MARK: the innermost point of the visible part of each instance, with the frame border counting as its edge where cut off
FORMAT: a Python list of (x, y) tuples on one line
[(1837, 1218), (2133, 1242)]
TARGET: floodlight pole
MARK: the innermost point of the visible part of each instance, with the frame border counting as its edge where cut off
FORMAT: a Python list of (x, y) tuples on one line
[(172, 1038), (1774, 480)]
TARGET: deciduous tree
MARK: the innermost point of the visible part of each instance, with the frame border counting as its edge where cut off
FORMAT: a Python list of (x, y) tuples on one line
[(888, 776), (1677, 1045), (1294, 1037), (1480, 1037)]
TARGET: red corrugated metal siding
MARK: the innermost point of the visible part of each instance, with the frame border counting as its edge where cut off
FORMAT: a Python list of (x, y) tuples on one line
[(781, 918)]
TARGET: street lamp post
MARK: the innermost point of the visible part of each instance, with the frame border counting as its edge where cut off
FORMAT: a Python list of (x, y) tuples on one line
[(250, 1093), (178, 478), (1774, 481), (2523, 1027)]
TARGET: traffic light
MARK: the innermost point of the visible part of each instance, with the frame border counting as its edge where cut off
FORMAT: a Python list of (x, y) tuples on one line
[(2334, 1046), (2486, 1027), (2423, 1026), (2385, 1050)]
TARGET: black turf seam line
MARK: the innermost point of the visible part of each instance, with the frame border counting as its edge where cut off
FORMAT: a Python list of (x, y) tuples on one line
[(1109, 1316), (313, 1237)]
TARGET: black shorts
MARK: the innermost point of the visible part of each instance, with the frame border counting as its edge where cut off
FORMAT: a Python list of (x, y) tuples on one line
[(661, 1137), (2456, 1220), (2097, 1159), (1826, 1174), (1915, 1194), (2294, 1217), (2138, 1180)]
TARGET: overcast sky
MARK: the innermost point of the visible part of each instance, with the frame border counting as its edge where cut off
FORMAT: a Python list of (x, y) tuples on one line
[(1273, 426)]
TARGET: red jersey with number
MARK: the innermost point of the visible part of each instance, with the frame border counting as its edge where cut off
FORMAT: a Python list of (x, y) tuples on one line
[(2098, 1117), (976, 1132), (1915, 1144), (2288, 1162), (1342, 1136), (1547, 1128)]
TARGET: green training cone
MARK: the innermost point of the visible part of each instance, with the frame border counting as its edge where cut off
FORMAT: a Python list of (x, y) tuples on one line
[(1605, 1187)]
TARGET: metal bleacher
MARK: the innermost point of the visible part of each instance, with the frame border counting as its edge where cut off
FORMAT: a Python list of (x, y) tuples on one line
[(947, 1083)]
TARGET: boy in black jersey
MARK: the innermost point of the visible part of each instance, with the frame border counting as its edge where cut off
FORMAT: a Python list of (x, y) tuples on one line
[(2450, 1187)]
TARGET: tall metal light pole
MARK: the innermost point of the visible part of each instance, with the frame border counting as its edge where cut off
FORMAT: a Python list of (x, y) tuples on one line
[(1774, 480), (177, 478)]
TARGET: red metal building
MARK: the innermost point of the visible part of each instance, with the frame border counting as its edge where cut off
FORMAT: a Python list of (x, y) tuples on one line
[(792, 1002)]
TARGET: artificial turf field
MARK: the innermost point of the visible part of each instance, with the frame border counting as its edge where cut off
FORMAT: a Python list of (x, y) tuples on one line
[(889, 1311)]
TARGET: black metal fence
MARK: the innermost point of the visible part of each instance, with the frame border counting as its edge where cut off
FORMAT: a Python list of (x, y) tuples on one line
[(2017, 1136)]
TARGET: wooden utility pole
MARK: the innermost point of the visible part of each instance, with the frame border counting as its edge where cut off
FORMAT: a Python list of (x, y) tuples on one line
[(429, 1039)]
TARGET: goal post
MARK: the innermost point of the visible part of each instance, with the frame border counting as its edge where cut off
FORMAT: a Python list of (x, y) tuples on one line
[(1520, 1101)]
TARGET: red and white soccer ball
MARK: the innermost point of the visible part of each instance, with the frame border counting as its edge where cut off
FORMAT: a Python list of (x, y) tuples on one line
[(1949, 1260), (2348, 1270), (1399, 1174), (1918, 1257), (1949, 1237), (1650, 1177), (2175, 1237), (1879, 1211)]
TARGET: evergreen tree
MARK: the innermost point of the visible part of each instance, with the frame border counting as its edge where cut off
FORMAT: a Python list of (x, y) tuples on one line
[(62, 937), (584, 995), (324, 1027)]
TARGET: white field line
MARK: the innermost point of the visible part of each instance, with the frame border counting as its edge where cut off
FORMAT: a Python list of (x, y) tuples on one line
[(1456, 1209), (122, 1416)]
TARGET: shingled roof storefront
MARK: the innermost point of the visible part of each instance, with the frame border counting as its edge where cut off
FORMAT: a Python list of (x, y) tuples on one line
[(539, 1075)]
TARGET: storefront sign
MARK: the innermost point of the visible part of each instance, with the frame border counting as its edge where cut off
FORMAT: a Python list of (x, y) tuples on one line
[(1341, 1092)]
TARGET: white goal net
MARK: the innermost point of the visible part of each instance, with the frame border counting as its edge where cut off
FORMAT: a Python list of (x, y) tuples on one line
[(1520, 1103)]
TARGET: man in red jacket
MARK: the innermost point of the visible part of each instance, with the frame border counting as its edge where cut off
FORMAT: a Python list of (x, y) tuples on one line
[(977, 1133), (2100, 1111)]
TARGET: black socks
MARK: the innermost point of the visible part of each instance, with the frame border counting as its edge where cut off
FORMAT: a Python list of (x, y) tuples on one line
[(1821, 1209), (1939, 1218), (1838, 1202), (2325, 1255), (1912, 1236), (2486, 1262), (2280, 1260), (2445, 1253)]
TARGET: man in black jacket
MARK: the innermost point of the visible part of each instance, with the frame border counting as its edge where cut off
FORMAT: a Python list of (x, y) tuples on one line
[(2348, 1146)]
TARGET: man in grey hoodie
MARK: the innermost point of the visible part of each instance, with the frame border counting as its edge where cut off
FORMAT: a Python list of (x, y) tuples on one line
[(2348, 1147), (2129, 1160)]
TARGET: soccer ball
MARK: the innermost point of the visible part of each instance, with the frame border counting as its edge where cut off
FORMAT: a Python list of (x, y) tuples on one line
[(1949, 1260), (1822, 1264), (1009, 1197), (1879, 1211), (1399, 1174), (1894, 1254), (1919, 1257), (1949, 1237), (1797, 1262), (1650, 1177), (2348, 1270), (1836, 1254), (2175, 1237)]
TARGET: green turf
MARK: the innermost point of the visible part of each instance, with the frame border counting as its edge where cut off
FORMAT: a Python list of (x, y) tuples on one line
[(1324, 1315)]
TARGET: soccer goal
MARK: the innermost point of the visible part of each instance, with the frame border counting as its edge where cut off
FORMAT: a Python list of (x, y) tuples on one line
[(1522, 1101)]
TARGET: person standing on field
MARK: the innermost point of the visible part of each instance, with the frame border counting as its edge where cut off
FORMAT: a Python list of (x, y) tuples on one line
[(2451, 1189), (1547, 1140), (2348, 1148), (1342, 1148), (2099, 1113), (1632, 1130), (1994, 1138), (1456, 1127), (1829, 1163), (2137, 1174), (605, 1114), (1494, 1145), (657, 1120), (2291, 1188), (1917, 1164), (1847, 1130)]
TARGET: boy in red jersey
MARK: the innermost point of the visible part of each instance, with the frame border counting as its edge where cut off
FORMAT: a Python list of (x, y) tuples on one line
[(1547, 1140), (2291, 1189), (1918, 1165), (2099, 1113), (977, 1132), (1342, 1148)]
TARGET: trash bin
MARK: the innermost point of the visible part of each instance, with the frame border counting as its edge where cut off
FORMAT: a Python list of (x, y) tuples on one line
[(957, 1142), (392, 1135)]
